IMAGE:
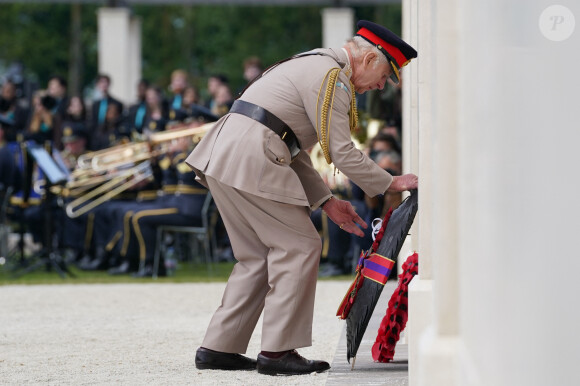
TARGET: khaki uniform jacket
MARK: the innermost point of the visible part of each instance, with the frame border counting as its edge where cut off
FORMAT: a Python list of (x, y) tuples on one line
[(246, 155)]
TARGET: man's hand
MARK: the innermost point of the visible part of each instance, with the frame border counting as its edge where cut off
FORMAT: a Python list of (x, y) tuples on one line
[(404, 182), (342, 214)]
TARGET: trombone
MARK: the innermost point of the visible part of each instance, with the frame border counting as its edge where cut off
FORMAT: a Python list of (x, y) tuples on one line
[(120, 155), (123, 181), (116, 156), (103, 174)]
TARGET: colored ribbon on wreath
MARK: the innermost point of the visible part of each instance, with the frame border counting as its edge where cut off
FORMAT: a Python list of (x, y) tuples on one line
[(372, 266)]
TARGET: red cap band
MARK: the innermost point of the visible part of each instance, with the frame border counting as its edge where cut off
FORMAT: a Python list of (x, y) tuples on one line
[(394, 51)]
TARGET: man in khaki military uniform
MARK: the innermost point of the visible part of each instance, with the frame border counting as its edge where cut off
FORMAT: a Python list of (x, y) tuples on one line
[(255, 163)]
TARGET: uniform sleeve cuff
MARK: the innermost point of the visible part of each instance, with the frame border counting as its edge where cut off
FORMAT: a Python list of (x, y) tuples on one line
[(318, 203)]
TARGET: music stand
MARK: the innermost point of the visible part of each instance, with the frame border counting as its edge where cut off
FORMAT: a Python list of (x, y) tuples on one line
[(24, 191), (54, 175)]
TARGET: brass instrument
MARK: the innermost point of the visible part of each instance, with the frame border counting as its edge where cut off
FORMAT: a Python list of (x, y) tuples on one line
[(113, 157), (334, 179), (102, 175), (123, 181), (75, 188), (120, 155), (331, 176), (195, 132)]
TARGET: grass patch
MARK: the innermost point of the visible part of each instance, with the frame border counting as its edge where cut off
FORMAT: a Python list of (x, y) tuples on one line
[(187, 272)]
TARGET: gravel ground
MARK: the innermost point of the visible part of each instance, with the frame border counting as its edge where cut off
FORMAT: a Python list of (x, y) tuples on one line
[(133, 334)]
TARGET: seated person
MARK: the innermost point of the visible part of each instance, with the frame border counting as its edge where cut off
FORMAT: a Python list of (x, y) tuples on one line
[(179, 203), (9, 174)]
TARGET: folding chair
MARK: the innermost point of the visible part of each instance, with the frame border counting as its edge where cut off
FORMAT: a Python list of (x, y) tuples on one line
[(203, 235), (4, 227)]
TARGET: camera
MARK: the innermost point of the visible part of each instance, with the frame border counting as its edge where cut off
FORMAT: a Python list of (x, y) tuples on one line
[(4, 105), (48, 102)]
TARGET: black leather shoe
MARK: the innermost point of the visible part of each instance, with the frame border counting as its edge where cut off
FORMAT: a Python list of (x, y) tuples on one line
[(123, 269), (84, 260), (99, 263), (147, 271), (143, 272), (289, 364), (95, 265), (206, 359)]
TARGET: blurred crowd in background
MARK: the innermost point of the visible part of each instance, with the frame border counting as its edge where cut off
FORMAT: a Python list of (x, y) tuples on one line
[(121, 235)]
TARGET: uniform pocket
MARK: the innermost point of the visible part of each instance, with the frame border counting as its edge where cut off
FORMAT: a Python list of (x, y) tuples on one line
[(277, 151), (277, 176)]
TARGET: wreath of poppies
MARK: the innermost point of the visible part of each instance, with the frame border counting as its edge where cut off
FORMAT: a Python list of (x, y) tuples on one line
[(397, 312)]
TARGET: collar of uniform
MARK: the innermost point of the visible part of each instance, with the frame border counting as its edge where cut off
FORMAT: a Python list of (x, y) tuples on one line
[(341, 57), (347, 68), (345, 55), (344, 61)]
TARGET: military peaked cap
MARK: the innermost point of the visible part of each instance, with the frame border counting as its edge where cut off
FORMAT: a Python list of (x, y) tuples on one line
[(398, 53)]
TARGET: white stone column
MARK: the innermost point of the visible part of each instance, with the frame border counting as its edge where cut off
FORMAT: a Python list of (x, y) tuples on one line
[(119, 41), (410, 127), (337, 26), (438, 344), (410, 124), (504, 189), (406, 90), (518, 215), (421, 288)]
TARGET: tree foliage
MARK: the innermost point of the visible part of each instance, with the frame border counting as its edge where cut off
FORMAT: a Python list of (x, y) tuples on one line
[(205, 40), (200, 39), (38, 35)]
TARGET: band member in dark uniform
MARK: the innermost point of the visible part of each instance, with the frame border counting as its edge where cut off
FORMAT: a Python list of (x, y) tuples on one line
[(9, 174), (11, 109), (179, 203), (136, 114), (103, 100)]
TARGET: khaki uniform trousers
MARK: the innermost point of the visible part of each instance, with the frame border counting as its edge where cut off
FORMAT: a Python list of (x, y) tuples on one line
[(278, 252)]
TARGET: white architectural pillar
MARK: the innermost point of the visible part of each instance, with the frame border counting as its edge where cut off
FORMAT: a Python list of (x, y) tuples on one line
[(421, 288), (425, 72), (119, 42), (406, 90), (519, 227), (504, 190), (438, 346), (410, 125), (337, 26)]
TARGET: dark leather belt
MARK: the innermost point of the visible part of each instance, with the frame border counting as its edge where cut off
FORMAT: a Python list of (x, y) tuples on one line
[(269, 120)]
